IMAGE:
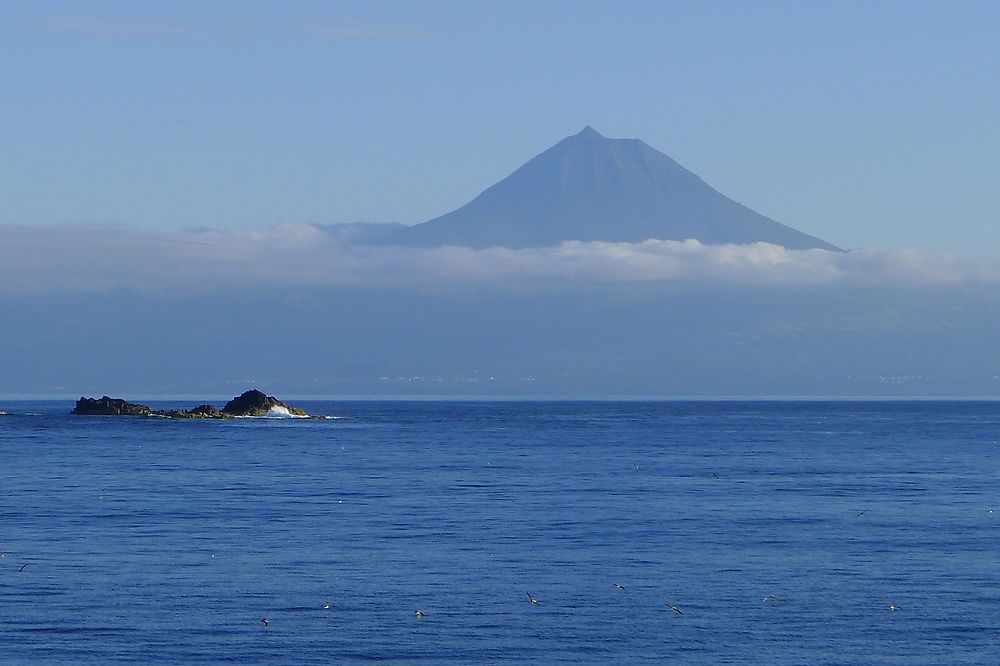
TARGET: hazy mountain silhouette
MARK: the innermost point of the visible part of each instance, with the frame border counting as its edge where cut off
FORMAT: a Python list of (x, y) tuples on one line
[(591, 188)]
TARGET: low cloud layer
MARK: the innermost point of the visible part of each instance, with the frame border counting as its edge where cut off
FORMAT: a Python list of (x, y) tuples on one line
[(101, 259)]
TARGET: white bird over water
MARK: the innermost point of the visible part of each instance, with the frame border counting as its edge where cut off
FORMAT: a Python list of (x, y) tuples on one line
[(418, 613), (532, 599), (773, 598), (619, 586), (892, 607), (674, 609)]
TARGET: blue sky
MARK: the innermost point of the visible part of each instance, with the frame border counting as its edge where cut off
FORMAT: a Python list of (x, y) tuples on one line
[(867, 124)]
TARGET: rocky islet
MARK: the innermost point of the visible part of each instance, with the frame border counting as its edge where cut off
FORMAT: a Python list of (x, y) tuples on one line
[(249, 403)]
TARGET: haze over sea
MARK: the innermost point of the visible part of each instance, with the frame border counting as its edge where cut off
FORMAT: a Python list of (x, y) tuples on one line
[(129, 540)]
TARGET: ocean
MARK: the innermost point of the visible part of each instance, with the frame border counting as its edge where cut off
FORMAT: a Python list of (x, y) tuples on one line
[(781, 532)]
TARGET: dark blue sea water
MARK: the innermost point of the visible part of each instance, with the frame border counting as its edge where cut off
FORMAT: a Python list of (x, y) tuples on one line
[(158, 541)]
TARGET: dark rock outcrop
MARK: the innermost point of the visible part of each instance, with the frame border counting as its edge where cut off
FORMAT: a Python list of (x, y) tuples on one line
[(256, 403), (199, 412), (207, 411), (106, 406), (251, 403)]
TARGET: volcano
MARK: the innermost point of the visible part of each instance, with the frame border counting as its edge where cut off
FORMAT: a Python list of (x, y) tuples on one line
[(588, 187)]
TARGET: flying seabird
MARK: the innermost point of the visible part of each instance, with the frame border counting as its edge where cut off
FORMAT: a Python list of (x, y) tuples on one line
[(620, 586), (862, 513), (773, 598), (715, 475), (675, 609), (264, 621), (326, 606), (892, 607), (418, 613), (22, 567), (533, 599)]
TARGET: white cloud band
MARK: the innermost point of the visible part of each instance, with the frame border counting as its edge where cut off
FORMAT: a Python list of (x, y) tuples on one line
[(76, 259)]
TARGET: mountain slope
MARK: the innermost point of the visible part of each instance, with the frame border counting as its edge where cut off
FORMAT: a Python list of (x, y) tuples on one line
[(591, 188)]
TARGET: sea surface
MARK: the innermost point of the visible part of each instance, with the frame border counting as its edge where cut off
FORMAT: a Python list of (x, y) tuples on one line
[(146, 540)]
